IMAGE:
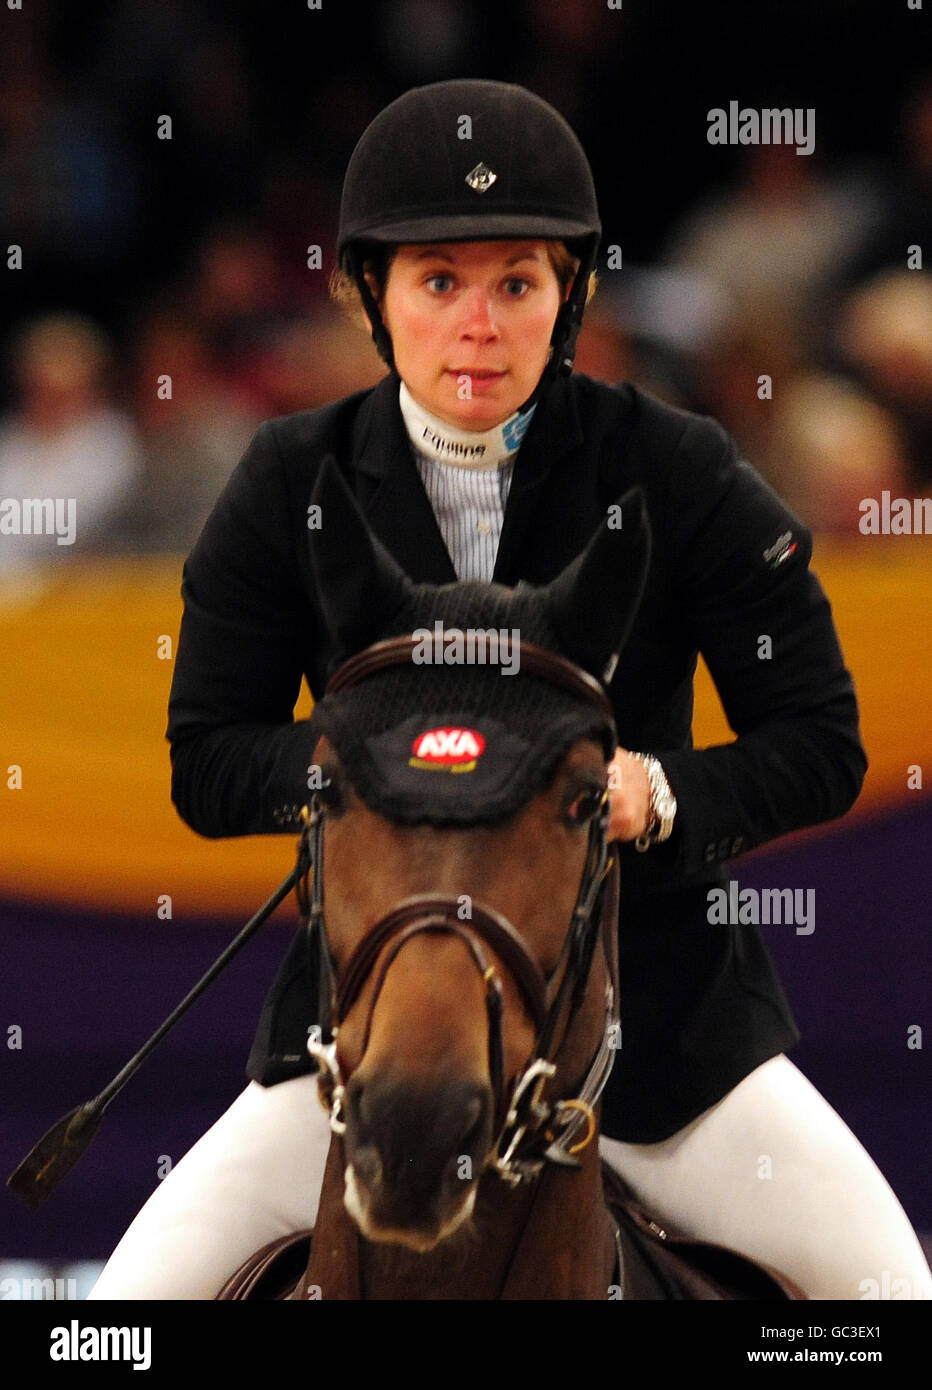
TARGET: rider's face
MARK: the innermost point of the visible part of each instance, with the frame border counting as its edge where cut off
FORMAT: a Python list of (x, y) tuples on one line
[(470, 324)]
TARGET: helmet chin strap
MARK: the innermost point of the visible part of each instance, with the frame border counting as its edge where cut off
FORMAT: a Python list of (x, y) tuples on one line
[(570, 317), (380, 334), (565, 332)]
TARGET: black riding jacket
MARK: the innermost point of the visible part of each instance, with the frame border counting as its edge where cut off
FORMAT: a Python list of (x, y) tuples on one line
[(700, 1002)]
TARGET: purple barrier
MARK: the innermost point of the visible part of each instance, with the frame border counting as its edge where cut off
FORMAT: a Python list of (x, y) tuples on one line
[(859, 984), (86, 990)]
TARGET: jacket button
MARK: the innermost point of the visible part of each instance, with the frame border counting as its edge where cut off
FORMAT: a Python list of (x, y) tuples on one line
[(710, 853), (737, 844)]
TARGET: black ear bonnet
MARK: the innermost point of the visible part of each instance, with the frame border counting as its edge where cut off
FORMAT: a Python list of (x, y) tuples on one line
[(464, 733), (459, 744)]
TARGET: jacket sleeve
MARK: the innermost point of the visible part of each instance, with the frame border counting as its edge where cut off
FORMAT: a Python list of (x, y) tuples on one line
[(751, 606), (239, 759)]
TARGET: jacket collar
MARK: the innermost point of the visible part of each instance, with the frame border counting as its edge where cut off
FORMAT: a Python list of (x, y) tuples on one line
[(399, 510)]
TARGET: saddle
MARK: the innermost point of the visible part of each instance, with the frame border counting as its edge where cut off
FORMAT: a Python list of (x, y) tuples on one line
[(659, 1264)]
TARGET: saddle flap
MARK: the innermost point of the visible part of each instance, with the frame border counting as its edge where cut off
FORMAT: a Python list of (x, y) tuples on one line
[(660, 1264)]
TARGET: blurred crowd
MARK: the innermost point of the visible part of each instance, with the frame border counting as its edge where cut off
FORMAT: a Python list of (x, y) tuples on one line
[(169, 298)]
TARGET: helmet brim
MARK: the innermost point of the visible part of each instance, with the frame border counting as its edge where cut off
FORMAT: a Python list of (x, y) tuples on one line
[(498, 226)]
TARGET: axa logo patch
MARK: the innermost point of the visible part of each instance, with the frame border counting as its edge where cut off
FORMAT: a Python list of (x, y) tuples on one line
[(447, 750)]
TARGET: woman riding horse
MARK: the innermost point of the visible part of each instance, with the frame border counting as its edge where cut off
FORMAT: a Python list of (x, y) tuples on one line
[(469, 230)]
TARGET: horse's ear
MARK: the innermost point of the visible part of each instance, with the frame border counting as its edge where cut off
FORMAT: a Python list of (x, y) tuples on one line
[(359, 583), (594, 601)]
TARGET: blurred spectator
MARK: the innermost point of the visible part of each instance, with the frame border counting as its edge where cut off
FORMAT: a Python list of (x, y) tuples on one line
[(213, 226), (300, 208), (182, 61), (905, 218), (742, 373), (675, 324), (885, 333), (68, 184), (317, 360), (192, 439), (63, 443), (138, 54), (832, 447), (237, 301), (603, 350), (570, 59), (427, 40), (779, 237)]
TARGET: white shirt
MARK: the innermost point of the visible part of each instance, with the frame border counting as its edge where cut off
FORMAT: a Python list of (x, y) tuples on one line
[(468, 495)]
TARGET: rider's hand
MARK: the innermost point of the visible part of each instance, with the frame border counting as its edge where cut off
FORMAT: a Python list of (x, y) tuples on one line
[(629, 789)]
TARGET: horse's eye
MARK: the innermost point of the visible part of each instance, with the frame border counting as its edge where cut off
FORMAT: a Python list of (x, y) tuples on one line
[(331, 795), (585, 806)]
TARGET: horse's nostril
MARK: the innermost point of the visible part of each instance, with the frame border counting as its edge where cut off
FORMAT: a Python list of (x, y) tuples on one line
[(473, 1125), (367, 1165), (355, 1106), (474, 1112), (476, 1135)]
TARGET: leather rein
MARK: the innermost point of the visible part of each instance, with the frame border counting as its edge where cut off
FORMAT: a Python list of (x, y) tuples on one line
[(529, 1129)]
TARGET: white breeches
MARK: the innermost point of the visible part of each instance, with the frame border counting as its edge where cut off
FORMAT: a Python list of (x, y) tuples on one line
[(771, 1170)]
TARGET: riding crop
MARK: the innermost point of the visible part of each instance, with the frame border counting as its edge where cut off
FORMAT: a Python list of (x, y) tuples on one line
[(59, 1149)]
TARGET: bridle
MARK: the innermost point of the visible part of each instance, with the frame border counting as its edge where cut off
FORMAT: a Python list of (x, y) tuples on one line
[(529, 1130)]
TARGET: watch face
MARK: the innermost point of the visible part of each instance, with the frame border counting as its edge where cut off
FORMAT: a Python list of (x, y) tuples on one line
[(666, 810)]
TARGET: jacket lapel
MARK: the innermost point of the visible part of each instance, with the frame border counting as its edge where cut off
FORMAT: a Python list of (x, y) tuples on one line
[(396, 505), (554, 430), (390, 490)]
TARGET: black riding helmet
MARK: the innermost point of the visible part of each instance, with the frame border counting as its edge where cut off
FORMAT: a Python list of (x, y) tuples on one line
[(470, 160)]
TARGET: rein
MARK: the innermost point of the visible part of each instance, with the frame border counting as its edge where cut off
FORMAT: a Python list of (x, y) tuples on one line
[(529, 1130)]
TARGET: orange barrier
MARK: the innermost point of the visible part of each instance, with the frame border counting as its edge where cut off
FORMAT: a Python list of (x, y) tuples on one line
[(84, 684)]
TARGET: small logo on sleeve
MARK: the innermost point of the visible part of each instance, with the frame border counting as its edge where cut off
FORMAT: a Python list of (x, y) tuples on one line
[(781, 550)]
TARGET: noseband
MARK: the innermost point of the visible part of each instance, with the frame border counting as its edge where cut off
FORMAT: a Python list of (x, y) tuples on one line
[(528, 1130)]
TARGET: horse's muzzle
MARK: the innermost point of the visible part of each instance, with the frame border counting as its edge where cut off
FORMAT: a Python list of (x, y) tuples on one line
[(414, 1153)]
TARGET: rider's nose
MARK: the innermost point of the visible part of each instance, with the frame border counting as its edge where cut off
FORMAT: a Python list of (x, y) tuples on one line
[(478, 319)]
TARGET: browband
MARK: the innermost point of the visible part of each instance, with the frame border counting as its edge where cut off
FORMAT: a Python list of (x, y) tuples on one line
[(536, 661)]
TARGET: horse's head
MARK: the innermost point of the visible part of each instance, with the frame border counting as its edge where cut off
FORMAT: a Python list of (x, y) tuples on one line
[(462, 751)]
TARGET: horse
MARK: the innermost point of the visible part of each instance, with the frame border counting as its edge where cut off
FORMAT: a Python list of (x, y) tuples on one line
[(465, 953)]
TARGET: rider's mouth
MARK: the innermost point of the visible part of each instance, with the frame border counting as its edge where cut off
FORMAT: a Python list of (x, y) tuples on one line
[(477, 374)]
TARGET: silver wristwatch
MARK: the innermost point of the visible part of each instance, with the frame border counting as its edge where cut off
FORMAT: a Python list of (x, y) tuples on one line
[(662, 805)]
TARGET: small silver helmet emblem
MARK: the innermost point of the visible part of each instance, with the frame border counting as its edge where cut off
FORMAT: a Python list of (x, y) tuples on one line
[(481, 178)]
